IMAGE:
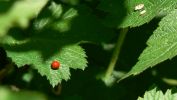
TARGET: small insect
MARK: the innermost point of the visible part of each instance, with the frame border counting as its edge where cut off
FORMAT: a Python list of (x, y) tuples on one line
[(139, 7), (55, 65), (143, 12)]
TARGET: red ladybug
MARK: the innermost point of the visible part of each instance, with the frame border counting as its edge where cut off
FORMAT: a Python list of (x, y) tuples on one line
[(55, 65)]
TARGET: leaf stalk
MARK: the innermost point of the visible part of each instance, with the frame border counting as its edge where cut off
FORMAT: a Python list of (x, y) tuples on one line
[(115, 54)]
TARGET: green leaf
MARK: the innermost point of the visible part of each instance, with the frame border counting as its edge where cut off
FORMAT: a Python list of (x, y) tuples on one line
[(9, 94), (19, 14), (56, 9), (46, 17), (155, 94), (42, 51), (162, 45), (134, 18), (70, 13), (56, 20), (64, 24), (75, 24), (152, 8)]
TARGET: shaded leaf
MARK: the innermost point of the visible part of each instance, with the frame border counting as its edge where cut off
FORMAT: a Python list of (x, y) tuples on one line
[(75, 24)]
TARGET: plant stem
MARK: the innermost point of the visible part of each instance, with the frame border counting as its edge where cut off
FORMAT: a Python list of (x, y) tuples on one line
[(116, 53)]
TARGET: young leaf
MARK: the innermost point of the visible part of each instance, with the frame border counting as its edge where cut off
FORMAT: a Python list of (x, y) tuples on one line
[(19, 14), (41, 52), (57, 20), (134, 17), (53, 11), (158, 95), (76, 24), (56, 9), (162, 45)]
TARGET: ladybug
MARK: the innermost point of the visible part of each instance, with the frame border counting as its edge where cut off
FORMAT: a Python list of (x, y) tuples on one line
[(55, 65)]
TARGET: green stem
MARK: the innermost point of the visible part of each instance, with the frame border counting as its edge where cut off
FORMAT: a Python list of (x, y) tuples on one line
[(116, 53)]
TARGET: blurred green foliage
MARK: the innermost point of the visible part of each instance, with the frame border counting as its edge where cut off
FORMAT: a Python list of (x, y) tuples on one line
[(30, 38)]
